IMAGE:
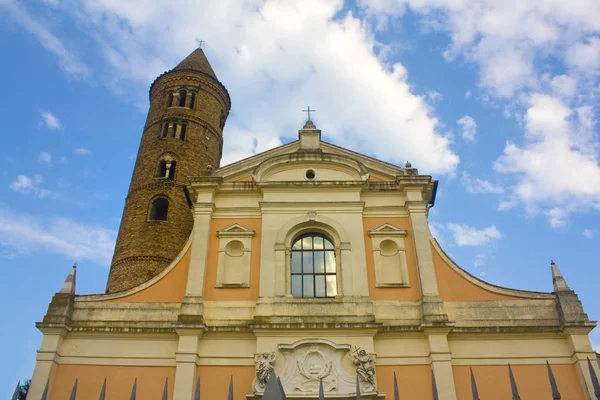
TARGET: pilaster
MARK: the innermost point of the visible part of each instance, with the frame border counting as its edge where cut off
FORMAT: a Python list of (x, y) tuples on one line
[(582, 350), (46, 361), (192, 306), (433, 308), (185, 358), (441, 362)]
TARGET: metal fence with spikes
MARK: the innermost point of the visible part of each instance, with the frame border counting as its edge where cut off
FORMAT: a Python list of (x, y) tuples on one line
[(274, 388)]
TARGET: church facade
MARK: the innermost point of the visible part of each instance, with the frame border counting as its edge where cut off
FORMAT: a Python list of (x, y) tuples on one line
[(308, 260)]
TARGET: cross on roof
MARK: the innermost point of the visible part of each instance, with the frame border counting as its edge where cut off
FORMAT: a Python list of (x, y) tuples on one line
[(199, 41), (308, 110)]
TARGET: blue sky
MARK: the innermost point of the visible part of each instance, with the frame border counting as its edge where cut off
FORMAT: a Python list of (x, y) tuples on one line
[(498, 100)]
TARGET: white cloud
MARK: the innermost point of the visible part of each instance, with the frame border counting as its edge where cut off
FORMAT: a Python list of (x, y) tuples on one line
[(434, 96), (82, 151), (556, 169), (479, 186), (263, 56), (585, 55), (468, 127), (465, 235), (69, 62), (51, 121), (480, 260), (25, 234), (587, 233), (27, 185), (45, 158)]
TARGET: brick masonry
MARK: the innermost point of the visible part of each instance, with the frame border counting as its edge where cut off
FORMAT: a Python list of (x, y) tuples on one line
[(145, 248)]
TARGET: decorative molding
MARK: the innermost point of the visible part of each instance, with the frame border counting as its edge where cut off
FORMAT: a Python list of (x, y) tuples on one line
[(235, 230), (387, 229)]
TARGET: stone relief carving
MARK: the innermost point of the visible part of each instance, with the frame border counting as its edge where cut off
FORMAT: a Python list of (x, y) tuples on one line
[(264, 365), (365, 369)]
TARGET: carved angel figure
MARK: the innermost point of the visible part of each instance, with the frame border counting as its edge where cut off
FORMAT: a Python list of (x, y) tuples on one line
[(264, 366), (365, 365)]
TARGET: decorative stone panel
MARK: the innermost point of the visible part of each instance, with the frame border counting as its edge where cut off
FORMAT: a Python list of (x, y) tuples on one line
[(389, 256), (235, 249)]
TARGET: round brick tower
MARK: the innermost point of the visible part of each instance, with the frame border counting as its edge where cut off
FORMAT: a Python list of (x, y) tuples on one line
[(182, 137)]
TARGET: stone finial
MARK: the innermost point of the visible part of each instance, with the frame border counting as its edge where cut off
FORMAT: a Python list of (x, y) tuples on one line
[(408, 164), (558, 280), (69, 286), (310, 137), (309, 125)]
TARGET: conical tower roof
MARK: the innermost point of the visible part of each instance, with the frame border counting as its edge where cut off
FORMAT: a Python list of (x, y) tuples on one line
[(196, 61)]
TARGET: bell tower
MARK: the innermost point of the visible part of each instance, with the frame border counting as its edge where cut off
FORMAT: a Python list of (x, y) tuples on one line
[(183, 137)]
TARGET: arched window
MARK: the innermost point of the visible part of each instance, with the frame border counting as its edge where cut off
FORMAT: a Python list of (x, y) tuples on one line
[(162, 169), (183, 131), (193, 100), (182, 96), (159, 209), (170, 99), (171, 175), (313, 266), (165, 130)]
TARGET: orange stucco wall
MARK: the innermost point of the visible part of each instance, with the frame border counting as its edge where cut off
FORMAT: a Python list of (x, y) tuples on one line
[(532, 381), (214, 381), (251, 293), (454, 287), (170, 289), (411, 293), (414, 381), (119, 381)]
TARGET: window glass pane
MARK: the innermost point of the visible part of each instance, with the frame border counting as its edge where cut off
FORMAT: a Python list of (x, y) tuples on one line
[(331, 286), (319, 261), (307, 262), (328, 244), (320, 286), (330, 261), (307, 243), (309, 290), (297, 245), (296, 262), (318, 242), (297, 285)]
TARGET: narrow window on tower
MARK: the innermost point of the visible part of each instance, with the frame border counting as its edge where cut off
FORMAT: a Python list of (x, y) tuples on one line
[(183, 131), (182, 96), (171, 175), (162, 169), (165, 130), (193, 100), (175, 125), (170, 99), (159, 209)]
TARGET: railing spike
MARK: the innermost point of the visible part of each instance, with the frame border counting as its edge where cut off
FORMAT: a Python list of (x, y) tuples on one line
[(45, 394), (272, 391), (396, 391), (15, 395), (357, 388), (321, 391), (434, 386), (553, 385), (230, 396), (166, 390), (197, 394), (474, 386), (513, 385), (103, 391), (133, 390), (283, 396), (74, 391), (594, 377)]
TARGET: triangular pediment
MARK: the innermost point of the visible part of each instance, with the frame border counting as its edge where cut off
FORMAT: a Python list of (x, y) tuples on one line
[(387, 229), (236, 230), (373, 169)]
